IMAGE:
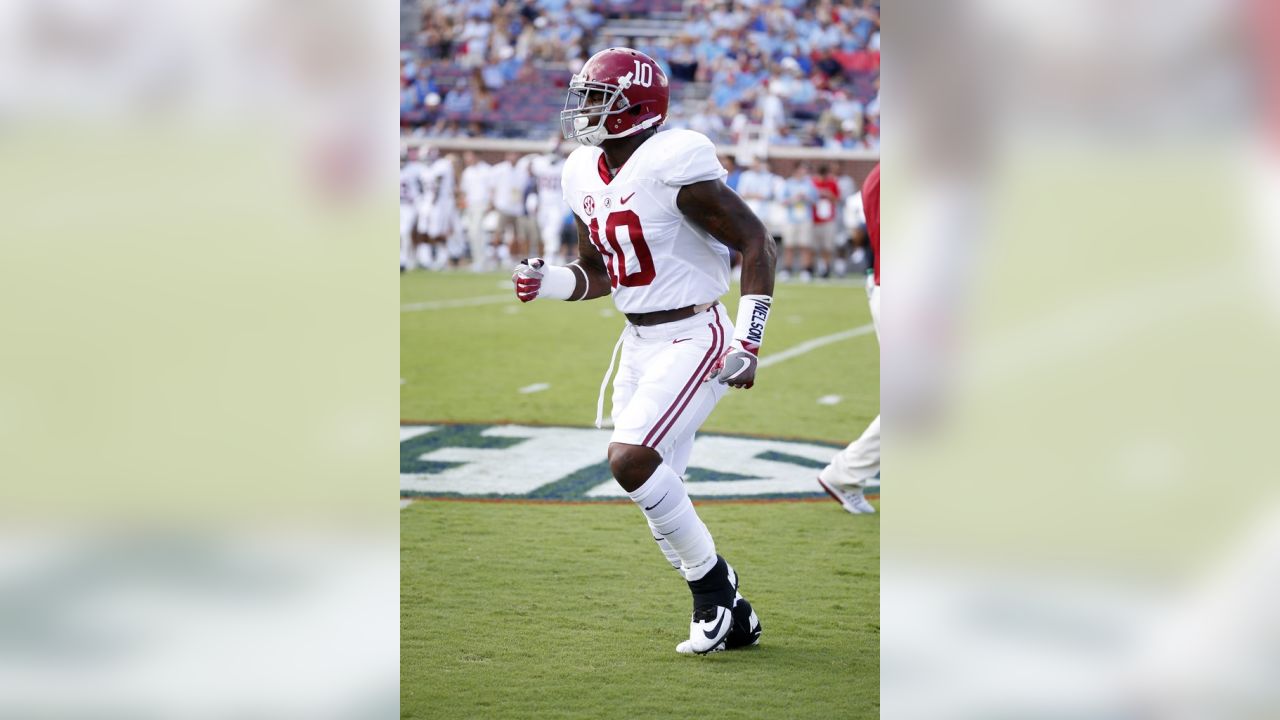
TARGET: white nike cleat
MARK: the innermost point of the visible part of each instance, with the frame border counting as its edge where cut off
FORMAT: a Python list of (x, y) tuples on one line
[(707, 631), (850, 498)]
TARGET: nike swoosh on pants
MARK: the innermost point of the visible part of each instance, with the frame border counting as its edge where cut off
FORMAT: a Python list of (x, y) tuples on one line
[(664, 497)]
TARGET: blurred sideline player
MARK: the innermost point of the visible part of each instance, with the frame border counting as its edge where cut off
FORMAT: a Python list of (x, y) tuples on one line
[(655, 223), (438, 209), (849, 471), (477, 194), (528, 222), (410, 194), (509, 179), (546, 170)]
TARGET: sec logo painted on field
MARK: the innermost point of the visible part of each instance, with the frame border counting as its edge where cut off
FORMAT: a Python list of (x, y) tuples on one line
[(499, 461)]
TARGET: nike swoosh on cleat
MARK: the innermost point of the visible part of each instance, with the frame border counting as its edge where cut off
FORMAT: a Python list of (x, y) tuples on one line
[(664, 497), (673, 342), (715, 630), (624, 200)]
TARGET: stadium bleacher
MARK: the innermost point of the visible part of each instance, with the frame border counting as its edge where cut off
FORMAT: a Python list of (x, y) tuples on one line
[(797, 72)]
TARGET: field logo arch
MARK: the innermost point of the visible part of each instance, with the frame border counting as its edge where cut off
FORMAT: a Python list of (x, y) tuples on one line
[(567, 464)]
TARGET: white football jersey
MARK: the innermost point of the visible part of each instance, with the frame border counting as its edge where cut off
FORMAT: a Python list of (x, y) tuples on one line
[(657, 260), (509, 180), (411, 184), (546, 170), (439, 183), (477, 186)]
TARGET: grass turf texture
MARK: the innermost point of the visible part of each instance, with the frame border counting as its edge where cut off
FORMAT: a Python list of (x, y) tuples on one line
[(548, 611), (466, 364), (570, 611)]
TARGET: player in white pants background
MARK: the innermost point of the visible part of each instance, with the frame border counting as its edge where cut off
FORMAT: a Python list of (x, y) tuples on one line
[(655, 224), (849, 471), (546, 170), (411, 187)]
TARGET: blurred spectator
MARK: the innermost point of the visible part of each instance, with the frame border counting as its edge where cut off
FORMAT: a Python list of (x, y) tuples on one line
[(458, 102), (824, 217), (756, 188), (799, 195), (734, 171), (412, 100), (708, 122), (683, 60)]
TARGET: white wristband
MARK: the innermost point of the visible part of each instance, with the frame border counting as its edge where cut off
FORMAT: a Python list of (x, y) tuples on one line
[(558, 282), (753, 313)]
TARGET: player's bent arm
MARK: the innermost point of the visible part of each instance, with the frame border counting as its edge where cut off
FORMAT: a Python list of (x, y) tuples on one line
[(718, 210), (592, 277)]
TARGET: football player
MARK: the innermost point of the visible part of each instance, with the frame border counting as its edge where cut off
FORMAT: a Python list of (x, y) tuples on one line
[(547, 171), (477, 192), (440, 209), (411, 188), (849, 471), (655, 224)]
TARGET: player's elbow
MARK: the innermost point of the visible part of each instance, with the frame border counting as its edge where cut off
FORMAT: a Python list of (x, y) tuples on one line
[(761, 248)]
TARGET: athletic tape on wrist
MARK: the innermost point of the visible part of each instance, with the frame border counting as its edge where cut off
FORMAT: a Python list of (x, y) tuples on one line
[(753, 313), (558, 282)]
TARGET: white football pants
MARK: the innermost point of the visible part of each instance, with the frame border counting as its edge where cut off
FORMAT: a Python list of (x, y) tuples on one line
[(660, 396), (860, 462)]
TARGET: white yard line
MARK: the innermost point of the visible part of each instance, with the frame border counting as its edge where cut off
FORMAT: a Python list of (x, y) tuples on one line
[(814, 344), (536, 387), (464, 302)]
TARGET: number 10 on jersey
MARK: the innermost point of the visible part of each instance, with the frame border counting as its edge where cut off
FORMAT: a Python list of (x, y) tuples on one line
[(618, 274)]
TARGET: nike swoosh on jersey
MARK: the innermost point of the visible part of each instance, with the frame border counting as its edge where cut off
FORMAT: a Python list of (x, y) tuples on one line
[(715, 630), (624, 200), (673, 342)]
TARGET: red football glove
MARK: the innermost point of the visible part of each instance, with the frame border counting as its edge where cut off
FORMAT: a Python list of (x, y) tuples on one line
[(528, 279), (736, 367)]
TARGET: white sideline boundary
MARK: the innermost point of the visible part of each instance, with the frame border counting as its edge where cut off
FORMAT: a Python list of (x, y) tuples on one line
[(811, 345), (464, 302)]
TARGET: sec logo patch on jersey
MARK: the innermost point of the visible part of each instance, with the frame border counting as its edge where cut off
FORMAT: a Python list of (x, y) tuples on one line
[(589, 205)]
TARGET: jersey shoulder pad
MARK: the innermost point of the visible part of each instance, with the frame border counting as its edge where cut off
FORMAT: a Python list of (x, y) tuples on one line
[(683, 157)]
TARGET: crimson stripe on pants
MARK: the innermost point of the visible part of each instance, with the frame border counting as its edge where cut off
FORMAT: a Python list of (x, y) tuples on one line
[(701, 371), (717, 345)]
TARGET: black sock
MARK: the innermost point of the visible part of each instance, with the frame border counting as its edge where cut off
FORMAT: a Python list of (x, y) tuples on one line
[(713, 588)]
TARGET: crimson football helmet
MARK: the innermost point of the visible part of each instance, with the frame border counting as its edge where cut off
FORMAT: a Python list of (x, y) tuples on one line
[(619, 92)]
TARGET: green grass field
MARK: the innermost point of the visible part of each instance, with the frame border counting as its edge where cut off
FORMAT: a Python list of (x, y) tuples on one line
[(526, 610)]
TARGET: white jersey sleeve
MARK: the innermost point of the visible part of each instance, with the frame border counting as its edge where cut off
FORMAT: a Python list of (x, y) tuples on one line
[(693, 159)]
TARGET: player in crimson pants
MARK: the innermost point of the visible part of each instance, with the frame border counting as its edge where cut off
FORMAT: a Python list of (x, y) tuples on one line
[(655, 224)]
